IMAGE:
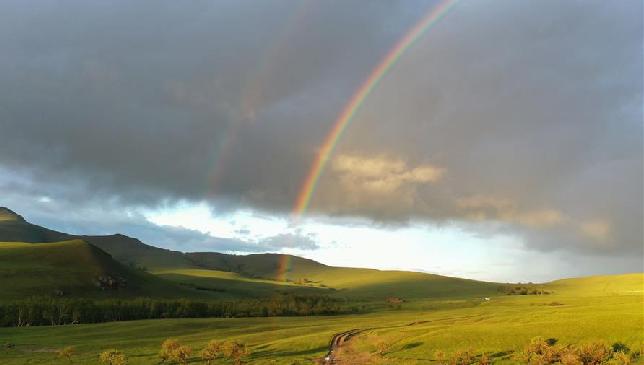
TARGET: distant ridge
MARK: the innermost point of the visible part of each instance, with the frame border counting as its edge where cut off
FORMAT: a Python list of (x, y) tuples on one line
[(218, 274), (14, 228)]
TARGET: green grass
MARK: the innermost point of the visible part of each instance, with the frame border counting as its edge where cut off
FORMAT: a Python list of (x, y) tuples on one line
[(233, 285), (72, 267), (248, 275), (579, 310), (351, 283)]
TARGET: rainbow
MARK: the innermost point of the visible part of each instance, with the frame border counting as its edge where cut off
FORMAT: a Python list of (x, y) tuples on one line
[(253, 95), (350, 109), (283, 267)]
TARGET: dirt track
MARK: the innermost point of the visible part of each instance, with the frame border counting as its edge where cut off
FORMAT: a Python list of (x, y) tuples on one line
[(336, 341)]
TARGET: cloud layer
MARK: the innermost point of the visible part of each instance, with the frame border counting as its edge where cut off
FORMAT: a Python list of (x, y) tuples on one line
[(524, 115)]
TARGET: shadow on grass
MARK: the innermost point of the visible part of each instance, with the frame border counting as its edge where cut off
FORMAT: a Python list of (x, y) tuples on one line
[(276, 354), (502, 354), (412, 345)]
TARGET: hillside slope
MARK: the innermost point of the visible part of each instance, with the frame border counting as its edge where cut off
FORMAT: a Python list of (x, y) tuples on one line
[(352, 282), (620, 284), (75, 269), (208, 270), (14, 228)]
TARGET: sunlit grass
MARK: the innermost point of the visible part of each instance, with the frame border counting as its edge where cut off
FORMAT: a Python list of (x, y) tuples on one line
[(412, 334)]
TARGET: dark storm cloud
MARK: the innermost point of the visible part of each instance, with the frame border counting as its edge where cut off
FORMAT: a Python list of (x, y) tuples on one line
[(528, 113), (146, 101)]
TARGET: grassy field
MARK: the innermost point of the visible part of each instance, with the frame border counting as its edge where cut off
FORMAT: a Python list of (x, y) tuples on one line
[(430, 313), (231, 285), (578, 310)]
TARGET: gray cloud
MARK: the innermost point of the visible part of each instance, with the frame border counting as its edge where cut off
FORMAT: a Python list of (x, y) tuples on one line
[(291, 240), (532, 110), (91, 218)]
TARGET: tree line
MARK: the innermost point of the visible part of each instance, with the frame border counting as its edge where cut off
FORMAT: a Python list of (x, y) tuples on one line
[(47, 311)]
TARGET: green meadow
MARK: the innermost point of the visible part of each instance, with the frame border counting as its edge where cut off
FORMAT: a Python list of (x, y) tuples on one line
[(605, 308), (399, 317)]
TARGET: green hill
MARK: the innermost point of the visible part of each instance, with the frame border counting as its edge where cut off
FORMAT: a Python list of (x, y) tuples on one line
[(14, 228), (622, 284), (75, 269), (351, 282), (133, 252), (253, 275)]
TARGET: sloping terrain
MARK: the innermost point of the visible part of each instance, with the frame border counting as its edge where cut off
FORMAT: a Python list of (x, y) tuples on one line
[(352, 282), (75, 269), (14, 228), (254, 275), (499, 328), (133, 252), (599, 285)]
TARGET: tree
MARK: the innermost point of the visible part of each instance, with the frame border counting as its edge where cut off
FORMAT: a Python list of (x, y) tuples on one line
[(112, 357)]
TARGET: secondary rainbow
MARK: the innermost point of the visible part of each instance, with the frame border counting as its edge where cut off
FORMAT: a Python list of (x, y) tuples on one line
[(349, 111)]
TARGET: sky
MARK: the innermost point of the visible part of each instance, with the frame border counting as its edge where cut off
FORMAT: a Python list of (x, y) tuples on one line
[(505, 144)]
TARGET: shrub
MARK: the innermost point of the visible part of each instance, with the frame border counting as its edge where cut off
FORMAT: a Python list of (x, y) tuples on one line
[(620, 358), (234, 351), (182, 354), (112, 357), (440, 356), (66, 352), (569, 357), (212, 350), (539, 352), (462, 358), (593, 353), (168, 347), (172, 350), (484, 360)]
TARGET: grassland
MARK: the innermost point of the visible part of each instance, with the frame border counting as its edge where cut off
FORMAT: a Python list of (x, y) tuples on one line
[(433, 313), (579, 310), (231, 285), (71, 268)]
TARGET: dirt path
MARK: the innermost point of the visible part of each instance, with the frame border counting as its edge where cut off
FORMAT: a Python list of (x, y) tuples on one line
[(336, 341)]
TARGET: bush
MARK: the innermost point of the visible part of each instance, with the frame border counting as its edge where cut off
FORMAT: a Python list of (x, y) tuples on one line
[(484, 360), (234, 351), (546, 351), (182, 354), (569, 358), (172, 350), (66, 352), (168, 347), (620, 358), (466, 357), (539, 352), (112, 357), (594, 353), (212, 350)]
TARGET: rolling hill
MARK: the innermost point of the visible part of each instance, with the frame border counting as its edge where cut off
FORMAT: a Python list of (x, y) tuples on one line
[(74, 268), (225, 275), (14, 228)]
